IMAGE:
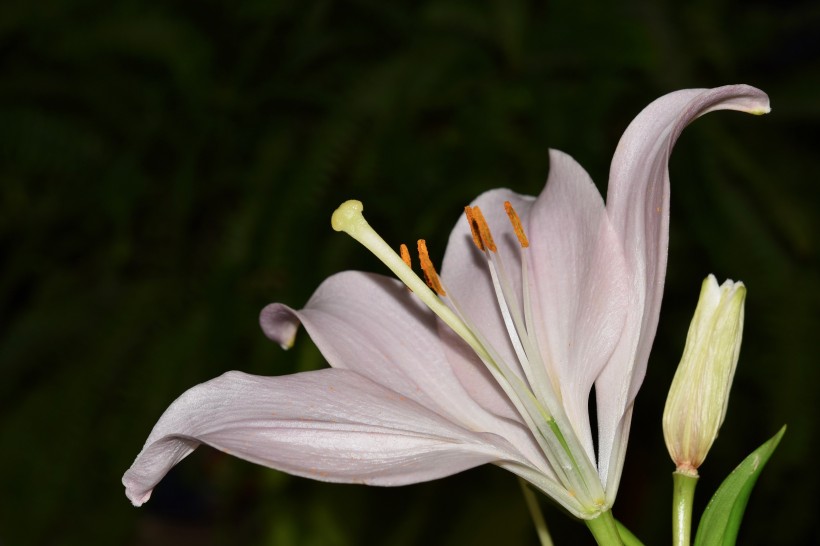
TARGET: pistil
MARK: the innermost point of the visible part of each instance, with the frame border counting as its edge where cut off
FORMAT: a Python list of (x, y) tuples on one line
[(349, 219)]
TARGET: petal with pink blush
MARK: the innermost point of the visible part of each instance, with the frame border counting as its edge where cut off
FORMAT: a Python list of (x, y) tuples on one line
[(329, 425)]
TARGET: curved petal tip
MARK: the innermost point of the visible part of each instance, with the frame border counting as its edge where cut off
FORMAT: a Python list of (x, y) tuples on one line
[(280, 324), (135, 493), (744, 98)]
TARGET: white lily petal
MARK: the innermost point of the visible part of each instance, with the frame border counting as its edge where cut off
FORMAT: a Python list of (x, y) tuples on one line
[(577, 278), (329, 425)]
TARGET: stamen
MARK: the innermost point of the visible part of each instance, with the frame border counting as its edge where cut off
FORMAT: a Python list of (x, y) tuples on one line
[(429, 271), (516, 223), (483, 229), (405, 255), (468, 212)]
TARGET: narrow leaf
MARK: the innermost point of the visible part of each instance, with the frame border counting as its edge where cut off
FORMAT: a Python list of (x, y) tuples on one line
[(721, 519), (627, 537)]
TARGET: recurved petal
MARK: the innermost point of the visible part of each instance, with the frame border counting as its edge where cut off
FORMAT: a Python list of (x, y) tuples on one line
[(638, 194), (638, 205), (373, 325), (330, 425)]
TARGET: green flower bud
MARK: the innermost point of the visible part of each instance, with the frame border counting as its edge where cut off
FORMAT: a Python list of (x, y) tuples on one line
[(699, 394)]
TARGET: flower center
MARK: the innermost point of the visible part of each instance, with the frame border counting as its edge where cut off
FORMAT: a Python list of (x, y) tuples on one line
[(535, 396)]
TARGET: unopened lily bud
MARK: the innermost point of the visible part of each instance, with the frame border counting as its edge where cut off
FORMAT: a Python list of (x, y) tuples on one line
[(699, 394)]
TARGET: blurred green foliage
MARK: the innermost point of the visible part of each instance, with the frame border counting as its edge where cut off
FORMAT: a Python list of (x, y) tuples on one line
[(167, 169)]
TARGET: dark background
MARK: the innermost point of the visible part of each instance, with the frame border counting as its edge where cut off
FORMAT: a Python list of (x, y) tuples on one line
[(168, 169)]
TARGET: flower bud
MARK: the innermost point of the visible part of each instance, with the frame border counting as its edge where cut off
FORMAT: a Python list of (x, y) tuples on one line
[(699, 394)]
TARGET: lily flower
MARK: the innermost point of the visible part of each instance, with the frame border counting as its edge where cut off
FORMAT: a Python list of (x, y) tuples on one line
[(539, 299)]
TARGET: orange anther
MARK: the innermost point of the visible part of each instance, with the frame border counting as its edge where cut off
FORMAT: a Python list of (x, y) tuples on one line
[(468, 212), (405, 255), (430, 275), (483, 229), (516, 223)]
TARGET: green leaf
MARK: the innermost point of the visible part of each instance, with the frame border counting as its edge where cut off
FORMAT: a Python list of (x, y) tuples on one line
[(627, 537), (721, 519)]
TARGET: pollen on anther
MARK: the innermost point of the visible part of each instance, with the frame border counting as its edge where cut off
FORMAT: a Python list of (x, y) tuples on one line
[(468, 212), (405, 255), (516, 223), (483, 230), (430, 275)]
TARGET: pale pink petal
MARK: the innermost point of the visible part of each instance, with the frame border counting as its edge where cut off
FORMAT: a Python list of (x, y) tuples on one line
[(374, 326), (330, 425), (577, 279), (638, 193), (466, 277), (638, 205)]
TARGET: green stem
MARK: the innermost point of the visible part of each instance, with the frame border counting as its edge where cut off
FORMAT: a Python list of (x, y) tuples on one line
[(537, 516), (683, 493), (604, 529)]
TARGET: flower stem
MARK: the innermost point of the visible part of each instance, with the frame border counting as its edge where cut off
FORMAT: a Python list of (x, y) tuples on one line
[(604, 530), (683, 493), (537, 517)]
